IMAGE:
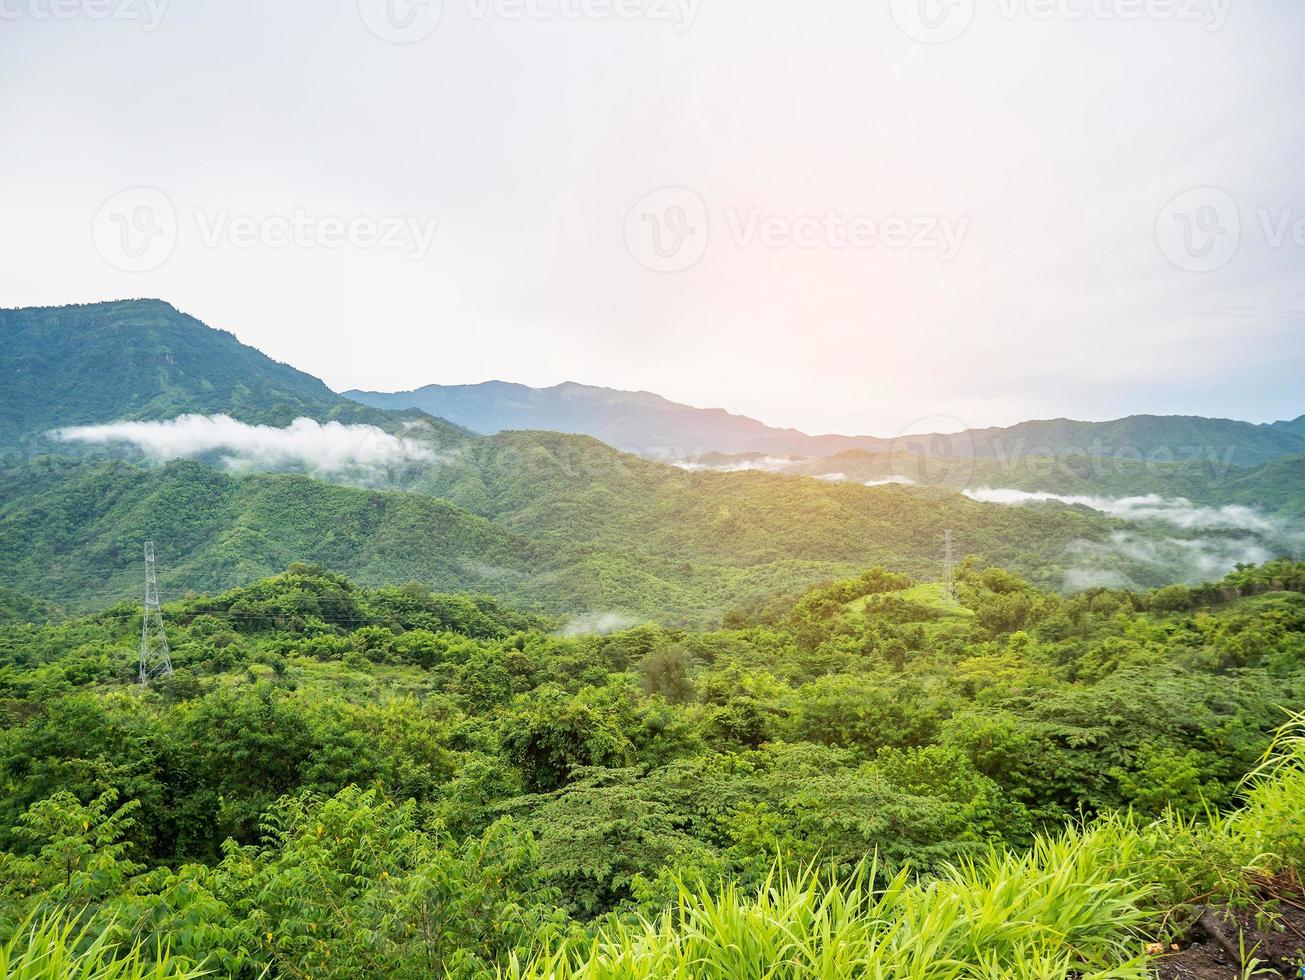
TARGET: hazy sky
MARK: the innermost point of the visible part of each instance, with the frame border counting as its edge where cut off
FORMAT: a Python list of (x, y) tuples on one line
[(842, 215)]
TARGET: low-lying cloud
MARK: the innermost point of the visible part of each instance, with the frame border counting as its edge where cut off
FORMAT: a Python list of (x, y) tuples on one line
[(786, 465), (328, 448), (1217, 538), (598, 624), (764, 464), (1097, 563), (1176, 511)]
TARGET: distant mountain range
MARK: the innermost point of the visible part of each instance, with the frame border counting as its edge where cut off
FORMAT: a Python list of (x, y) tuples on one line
[(554, 521), (648, 424), (143, 359)]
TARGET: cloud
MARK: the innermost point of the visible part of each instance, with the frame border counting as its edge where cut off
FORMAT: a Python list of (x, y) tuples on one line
[(1081, 579), (598, 624), (1176, 511), (1218, 538), (781, 464), (1198, 559), (766, 464), (329, 448)]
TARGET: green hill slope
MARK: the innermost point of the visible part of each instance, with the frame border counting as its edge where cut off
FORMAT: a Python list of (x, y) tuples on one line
[(75, 531), (611, 534), (143, 359), (1278, 487)]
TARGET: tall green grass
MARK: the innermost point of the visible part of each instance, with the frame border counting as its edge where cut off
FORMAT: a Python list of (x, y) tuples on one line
[(1055, 910), (1077, 905), (58, 949)]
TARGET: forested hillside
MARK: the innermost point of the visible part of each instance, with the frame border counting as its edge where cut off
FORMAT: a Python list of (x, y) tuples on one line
[(75, 530), (344, 782), (530, 521), (142, 359), (1272, 488), (138, 359)]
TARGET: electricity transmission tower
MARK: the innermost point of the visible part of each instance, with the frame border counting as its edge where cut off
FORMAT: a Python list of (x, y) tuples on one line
[(155, 660), (949, 563)]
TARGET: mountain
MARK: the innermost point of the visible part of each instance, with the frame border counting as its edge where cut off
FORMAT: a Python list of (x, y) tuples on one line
[(555, 522), (1154, 438), (650, 425), (634, 421), (1295, 427), (143, 359)]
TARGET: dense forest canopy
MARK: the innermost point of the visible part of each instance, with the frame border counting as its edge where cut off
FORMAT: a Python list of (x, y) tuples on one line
[(346, 781)]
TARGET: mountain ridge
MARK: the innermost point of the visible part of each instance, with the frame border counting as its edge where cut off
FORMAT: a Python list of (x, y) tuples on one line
[(650, 424), (561, 522), (144, 359)]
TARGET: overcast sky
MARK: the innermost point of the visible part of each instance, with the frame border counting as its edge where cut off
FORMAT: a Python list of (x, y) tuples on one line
[(841, 215)]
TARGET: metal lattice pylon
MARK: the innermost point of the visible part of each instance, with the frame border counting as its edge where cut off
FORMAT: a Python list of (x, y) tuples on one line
[(949, 564), (155, 659)]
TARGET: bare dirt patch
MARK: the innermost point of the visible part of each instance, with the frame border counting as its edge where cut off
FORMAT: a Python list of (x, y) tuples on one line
[(1272, 932)]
